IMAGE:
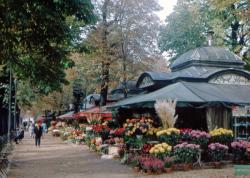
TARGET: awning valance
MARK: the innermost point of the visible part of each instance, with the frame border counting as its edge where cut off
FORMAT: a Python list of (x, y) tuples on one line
[(95, 110), (188, 93)]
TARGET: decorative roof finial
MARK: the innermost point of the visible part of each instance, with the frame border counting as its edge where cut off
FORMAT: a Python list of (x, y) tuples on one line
[(210, 37)]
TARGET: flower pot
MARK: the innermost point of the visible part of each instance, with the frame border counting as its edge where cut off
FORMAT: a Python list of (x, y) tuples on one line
[(158, 171), (186, 167), (168, 170), (190, 166), (136, 169), (217, 165), (149, 171)]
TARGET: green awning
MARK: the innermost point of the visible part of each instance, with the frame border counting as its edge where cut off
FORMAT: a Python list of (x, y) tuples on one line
[(192, 93)]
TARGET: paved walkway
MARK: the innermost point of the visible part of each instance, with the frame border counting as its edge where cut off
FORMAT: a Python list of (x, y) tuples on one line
[(54, 159)]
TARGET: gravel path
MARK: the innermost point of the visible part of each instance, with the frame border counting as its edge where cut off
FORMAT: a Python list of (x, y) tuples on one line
[(54, 159)]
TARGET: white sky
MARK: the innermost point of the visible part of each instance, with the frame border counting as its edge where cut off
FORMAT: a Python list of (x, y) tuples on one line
[(168, 6)]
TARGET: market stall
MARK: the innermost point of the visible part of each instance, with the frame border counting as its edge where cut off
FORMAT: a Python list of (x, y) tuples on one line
[(206, 82)]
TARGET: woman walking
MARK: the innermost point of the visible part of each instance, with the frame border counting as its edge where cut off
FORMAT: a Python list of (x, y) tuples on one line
[(38, 133)]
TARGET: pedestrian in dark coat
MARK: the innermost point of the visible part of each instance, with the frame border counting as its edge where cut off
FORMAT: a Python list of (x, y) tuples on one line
[(38, 134)]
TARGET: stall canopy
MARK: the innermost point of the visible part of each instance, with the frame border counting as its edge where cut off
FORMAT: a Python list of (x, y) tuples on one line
[(188, 93), (68, 115), (95, 110)]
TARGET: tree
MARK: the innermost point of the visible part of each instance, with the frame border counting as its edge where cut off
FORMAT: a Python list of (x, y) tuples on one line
[(234, 15), (37, 103), (36, 35), (185, 28), (123, 39)]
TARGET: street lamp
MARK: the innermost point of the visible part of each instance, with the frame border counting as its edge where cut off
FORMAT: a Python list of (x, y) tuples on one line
[(9, 111), (15, 104)]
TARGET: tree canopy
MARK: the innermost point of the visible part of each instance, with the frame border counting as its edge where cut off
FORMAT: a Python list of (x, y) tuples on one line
[(36, 37), (187, 26)]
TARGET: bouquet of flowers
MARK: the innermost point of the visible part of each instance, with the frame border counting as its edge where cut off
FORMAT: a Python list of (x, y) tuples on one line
[(137, 126), (221, 135), (199, 137), (161, 150), (186, 153), (170, 136), (217, 151), (239, 149)]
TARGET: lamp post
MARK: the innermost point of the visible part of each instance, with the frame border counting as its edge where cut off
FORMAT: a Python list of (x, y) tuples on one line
[(9, 111), (15, 104)]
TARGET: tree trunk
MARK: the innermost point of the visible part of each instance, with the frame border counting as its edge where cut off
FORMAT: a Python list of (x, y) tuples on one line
[(124, 57), (106, 59), (104, 84)]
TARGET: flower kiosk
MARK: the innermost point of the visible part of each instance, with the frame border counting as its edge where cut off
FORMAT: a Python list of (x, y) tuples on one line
[(182, 120)]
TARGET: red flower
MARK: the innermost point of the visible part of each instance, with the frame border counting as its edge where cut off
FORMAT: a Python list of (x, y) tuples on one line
[(118, 132)]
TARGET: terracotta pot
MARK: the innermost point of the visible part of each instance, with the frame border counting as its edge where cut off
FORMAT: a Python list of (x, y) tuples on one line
[(217, 165), (149, 171), (158, 171), (190, 166), (168, 170), (136, 169), (186, 167)]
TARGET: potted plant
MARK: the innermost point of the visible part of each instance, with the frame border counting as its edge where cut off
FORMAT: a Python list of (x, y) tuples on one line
[(217, 151), (239, 150), (168, 163), (186, 154), (200, 138), (146, 164), (170, 136), (161, 150), (134, 162), (221, 135), (157, 165)]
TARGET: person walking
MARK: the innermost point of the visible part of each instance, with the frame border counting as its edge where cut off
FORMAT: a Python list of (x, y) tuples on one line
[(38, 133), (44, 126), (32, 130)]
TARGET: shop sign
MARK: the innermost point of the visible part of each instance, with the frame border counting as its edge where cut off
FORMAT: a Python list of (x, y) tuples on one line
[(241, 110)]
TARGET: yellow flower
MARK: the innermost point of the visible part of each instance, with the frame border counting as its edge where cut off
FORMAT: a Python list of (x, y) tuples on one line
[(162, 150), (156, 151), (151, 150), (169, 148)]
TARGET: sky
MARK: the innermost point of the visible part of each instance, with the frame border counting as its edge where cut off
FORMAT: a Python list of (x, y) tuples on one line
[(167, 8)]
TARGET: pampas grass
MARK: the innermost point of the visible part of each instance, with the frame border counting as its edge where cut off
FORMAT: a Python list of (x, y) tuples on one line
[(166, 112)]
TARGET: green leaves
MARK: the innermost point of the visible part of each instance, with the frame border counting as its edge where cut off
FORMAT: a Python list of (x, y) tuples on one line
[(187, 26), (184, 29), (36, 38)]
